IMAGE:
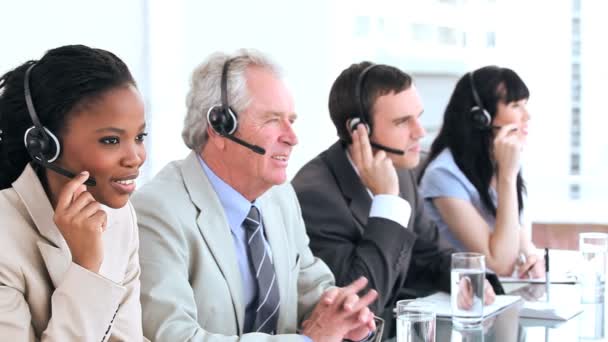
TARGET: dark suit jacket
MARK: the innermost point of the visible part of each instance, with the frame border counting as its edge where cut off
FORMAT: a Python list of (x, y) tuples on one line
[(399, 262)]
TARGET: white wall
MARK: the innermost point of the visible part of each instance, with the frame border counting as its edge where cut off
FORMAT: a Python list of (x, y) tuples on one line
[(594, 105), (162, 41), (30, 28), (539, 50)]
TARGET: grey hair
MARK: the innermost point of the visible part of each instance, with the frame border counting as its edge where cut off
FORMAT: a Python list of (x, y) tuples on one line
[(205, 90)]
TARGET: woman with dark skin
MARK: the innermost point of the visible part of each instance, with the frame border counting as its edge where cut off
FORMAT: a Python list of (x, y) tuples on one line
[(69, 268)]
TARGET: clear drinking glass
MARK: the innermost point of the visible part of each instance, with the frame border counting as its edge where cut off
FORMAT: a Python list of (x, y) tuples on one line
[(467, 335), (467, 288), (415, 321), (591, 323), (593, 247)]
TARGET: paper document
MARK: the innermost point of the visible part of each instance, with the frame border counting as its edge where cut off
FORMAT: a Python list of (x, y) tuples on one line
[(551, 311), (443, 307), (554, 279)]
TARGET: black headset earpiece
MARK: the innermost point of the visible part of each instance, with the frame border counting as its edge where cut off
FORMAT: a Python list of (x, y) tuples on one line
[(41, 144), (222, 119), (479, 115)]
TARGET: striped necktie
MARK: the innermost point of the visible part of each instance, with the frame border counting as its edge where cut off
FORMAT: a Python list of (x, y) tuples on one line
[(267, 308)]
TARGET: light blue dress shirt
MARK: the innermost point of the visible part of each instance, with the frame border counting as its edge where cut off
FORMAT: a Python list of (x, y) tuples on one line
[(443, 178), (236, 207)]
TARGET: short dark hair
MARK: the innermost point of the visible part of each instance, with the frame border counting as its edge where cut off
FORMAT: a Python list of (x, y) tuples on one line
[(63, 79), (471, 146), (379, 81)]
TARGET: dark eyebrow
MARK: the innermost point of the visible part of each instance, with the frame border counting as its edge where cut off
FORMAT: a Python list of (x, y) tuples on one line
[(405, 118), (111, 129), (117, 130)]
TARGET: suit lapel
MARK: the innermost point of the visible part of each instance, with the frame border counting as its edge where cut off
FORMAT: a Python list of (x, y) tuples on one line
[(55, 251), (57, 262), (274, 227), (349, 182), (33, 196), (214, 228)]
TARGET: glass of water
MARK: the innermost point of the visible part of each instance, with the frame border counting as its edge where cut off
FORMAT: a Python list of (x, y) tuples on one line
[(415, 321), (468, 335), (593, 247), (467, 289), (591, 322)]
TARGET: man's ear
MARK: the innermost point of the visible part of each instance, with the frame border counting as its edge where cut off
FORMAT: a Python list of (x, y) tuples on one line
[(215, 138)]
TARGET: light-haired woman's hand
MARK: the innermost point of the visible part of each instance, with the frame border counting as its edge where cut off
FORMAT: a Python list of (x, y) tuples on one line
[(533, 267), (507, 151)]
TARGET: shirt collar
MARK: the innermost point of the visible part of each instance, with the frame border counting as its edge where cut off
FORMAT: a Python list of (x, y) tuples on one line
[(235, 205)]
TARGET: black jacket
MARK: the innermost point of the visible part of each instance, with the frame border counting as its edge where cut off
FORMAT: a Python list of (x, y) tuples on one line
[(399, 262)]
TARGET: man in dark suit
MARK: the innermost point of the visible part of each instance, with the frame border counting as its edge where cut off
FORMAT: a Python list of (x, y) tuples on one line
[(359, 198)]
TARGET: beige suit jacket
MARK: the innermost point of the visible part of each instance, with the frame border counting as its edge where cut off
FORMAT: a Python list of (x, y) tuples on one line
[(191, 283), (43, 294)]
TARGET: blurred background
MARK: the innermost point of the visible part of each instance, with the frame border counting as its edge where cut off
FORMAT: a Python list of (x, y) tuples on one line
[(555, 46)]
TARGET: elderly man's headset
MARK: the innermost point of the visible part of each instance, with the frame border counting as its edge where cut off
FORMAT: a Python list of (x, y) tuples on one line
[(362, 115), (223, 120), (41, 144)]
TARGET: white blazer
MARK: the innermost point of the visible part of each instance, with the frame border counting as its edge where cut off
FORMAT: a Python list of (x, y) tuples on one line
[(44, 296)]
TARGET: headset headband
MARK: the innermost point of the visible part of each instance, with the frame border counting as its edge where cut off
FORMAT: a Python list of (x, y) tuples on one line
[(476, 97), (28, 98), (224, 83), (359, 91)]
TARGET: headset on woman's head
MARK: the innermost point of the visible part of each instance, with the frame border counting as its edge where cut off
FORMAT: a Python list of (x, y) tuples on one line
[(479, 115), (41, 144)]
